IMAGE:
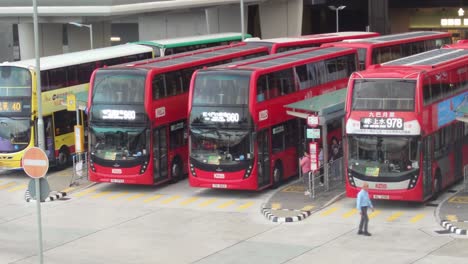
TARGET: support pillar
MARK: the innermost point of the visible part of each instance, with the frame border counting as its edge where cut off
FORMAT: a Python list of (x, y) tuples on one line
[(6, 42), (281, 18), (50, 40), (378, 16)]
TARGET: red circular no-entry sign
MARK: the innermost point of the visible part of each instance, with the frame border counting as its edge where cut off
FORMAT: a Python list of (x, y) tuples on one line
[(35, 163)]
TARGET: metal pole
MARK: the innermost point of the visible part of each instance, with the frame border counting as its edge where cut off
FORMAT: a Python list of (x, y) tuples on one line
[(40, 127), (337, 27), (91, 35), (242, 18)]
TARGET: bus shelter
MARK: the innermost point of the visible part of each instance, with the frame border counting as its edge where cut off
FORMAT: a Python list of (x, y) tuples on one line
[(329, 107)]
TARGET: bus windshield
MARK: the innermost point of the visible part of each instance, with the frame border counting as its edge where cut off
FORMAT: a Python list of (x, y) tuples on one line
[(15, 82), (384, 95), (221, 88), (15, 134), (383, 156), (117, 143), (119, 87), (221, 147)]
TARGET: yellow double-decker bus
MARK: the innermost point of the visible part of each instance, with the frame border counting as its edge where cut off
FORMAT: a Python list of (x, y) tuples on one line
[(60, 75)]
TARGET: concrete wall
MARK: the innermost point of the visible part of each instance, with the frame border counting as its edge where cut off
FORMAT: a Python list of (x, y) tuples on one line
[(399, 20), (225, 19), (6, 42), (50, 40), (281, 18), (78, 37)]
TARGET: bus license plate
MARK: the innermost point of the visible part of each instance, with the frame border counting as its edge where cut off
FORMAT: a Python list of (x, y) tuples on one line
[(117, 180), (215, 185), (382, 197)]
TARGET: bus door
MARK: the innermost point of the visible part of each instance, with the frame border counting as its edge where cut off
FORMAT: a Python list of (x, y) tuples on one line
[(160, 154), (458, 150), (427, 166), (263, 164), (49, 137)]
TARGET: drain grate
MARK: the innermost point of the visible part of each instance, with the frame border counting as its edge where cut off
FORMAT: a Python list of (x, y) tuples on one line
[(452, 191), (432, 204), (442, 232)]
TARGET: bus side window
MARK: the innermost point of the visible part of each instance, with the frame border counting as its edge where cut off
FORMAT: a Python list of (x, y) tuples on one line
[(261, 88)]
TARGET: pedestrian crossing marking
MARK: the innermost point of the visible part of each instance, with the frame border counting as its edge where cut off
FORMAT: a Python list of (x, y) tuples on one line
[(394, 216), (189, 200), (7, 185), (350, 213), (374, 214), (226, 204), (135, 196), (245, 206), (21, 187), (170, 199), (100, 194), (85, 192), (275, 206), (329, 211), (113, 197), (417, 218), (152, 198), (308, 207), (208, 202), (452, 218), (69, 189)]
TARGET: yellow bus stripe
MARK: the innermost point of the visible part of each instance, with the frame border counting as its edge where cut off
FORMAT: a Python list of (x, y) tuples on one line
[(308, 207), (374, 214), (226, 204), (417, 217), (329, 211), (113, 197), (208, 202), (152, 198), (21, 187), (170, 199), (245, 206), (97, 195), (7, 185), (350, 213), (275, 206), (394, 216), (85, 192), (136, 196), (189, 200)]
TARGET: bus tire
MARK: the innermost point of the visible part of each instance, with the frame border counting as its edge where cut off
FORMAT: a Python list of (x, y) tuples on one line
[(63, 158), (176, 170), (437, 185), (277, 175)]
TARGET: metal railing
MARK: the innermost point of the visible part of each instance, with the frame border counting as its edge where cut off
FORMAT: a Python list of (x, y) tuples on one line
[(324, 179), (80, 168)]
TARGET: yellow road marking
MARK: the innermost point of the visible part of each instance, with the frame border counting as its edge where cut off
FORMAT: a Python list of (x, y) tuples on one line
[(308, 208), (7, 185), (136, 196), (113, 197), (294, 188), (394, 216), (350, 213), (85, 192), (245, 206), (170, 199), (69, 189), (189, 200), (458, 199), (329, 211), (374, 214), (452, 218), (152, 198), (208, 202), (275, 206), (21, 187), (97, 195), (226, 204), (417, 218)]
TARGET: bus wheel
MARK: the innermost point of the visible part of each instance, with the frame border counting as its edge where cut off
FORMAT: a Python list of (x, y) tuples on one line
[(176, 171), (277, 176), (63, 158), (437, 185)]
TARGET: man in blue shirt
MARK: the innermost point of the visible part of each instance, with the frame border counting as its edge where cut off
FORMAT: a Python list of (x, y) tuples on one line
[(362, 204)]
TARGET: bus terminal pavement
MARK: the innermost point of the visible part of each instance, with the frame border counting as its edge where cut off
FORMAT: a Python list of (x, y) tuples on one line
[(453, 212)]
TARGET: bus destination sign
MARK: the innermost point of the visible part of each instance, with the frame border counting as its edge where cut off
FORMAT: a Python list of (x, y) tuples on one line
[(391, 123), (11, 106)]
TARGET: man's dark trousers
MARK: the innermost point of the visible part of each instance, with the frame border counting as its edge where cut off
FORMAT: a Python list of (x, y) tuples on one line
[(364, 220)]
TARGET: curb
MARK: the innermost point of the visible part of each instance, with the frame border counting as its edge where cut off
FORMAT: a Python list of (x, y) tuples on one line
[(301, 215), (51, 197), (452, 228)]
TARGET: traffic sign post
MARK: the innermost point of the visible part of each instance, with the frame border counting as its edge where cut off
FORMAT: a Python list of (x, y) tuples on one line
[(35, 164)]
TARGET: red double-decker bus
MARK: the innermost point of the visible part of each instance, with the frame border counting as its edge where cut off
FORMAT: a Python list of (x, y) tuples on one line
[(461, 44), (278, 45), (240, 134), (138, 112), (381, 49), (402, 136)]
